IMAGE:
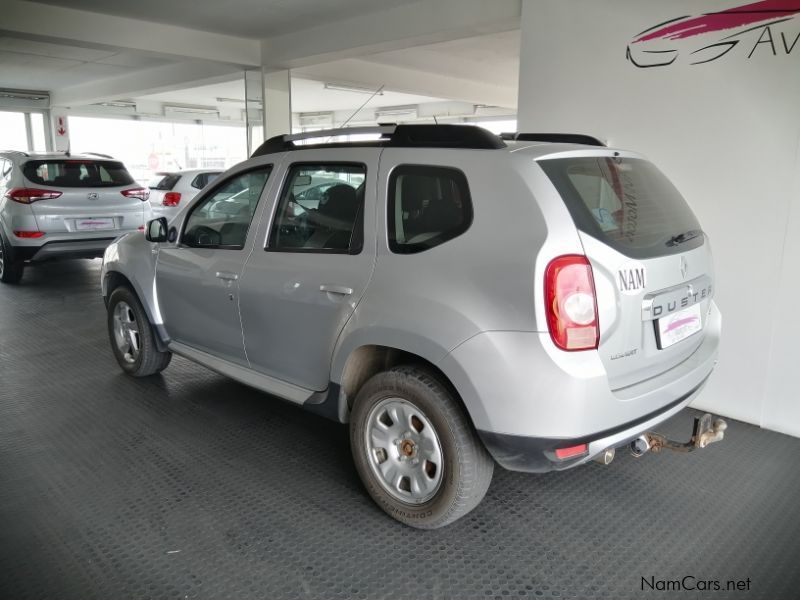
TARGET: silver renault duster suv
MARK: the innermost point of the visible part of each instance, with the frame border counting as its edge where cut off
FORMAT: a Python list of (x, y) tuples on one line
[(460, 299)]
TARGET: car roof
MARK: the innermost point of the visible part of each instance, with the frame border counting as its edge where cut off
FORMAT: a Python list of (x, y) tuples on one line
[(58, 155), (189, 172)]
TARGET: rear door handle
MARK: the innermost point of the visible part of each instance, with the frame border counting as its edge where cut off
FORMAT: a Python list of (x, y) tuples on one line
[(227, 275), (336, 289)]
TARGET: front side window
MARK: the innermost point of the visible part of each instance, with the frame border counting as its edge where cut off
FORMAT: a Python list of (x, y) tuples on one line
[(221, 219), (320, 210), (427, 206)]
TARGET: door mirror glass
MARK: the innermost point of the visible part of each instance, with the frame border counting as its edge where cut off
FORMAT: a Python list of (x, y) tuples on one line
[(156, 230)]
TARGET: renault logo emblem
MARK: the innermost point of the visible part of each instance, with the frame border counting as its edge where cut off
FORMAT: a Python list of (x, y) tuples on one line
[(91, 196), (684, 267)]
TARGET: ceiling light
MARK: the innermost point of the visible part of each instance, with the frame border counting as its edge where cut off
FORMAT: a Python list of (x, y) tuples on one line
[(117, 104), (352, 88), (192, 110), (396, 111), (23, 95)]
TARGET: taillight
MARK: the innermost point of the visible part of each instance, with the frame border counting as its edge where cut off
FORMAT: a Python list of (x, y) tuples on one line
[(572, 451), (30, 195), (28, 234), (140, 193), (571, 303), (171, 199)]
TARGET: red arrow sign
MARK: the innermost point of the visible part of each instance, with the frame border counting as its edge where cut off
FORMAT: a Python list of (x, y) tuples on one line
[(61, 130)]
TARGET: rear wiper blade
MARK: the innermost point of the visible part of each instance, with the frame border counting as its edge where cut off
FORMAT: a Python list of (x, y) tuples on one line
[(683, 237)]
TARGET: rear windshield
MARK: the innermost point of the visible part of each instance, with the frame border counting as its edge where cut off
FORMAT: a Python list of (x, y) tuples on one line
[(163, 181), (77, 173), (626, 203)]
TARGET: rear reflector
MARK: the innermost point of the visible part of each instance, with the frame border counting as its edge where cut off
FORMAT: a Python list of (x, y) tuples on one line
[(140, 193), (571, 303), (28, 234), (171, 199), (562, 453), (30, 195)]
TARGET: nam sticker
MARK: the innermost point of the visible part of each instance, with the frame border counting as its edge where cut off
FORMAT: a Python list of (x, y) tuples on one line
[(632, 279)]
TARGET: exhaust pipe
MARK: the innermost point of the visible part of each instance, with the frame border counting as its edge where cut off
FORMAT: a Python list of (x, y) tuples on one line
[(605, 457), (640, 446)]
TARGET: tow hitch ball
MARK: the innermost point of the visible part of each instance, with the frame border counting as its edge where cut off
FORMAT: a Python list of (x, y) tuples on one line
[(705, 432)]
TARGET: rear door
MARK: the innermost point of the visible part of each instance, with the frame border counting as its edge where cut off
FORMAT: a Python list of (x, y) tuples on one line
[(650, 259), (302, 284), (96, 196)]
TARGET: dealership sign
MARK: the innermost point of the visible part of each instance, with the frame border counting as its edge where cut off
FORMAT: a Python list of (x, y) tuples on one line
[(769, 27)]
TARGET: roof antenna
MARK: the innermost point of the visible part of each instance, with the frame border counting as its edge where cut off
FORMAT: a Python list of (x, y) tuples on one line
[(434, 119), (358, 110)]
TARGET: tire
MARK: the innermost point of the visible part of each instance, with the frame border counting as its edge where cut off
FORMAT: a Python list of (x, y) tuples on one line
[(10, 268), (427, 410), (131, 336)]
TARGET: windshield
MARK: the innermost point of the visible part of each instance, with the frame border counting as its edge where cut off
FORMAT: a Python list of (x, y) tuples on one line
[(77, 173), (626, 203)]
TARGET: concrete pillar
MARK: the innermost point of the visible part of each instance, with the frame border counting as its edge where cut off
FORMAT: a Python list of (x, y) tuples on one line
[(277, 103)]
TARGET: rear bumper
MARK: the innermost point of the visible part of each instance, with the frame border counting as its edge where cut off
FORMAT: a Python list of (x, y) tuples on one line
[(525, 402), (538, 455), (86, 248)]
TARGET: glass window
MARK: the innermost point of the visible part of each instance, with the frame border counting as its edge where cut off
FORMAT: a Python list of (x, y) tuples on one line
[(321, 210), (76, 173), (37, 131), (203, 179), (163, 181), (626, 203), (427, 207), (221, 219), (14, 133)]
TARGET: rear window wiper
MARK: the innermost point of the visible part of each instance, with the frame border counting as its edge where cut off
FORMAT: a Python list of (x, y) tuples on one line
[(676, 240)]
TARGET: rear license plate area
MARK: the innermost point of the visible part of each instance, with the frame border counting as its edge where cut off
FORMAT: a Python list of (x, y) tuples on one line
[(678, 326)]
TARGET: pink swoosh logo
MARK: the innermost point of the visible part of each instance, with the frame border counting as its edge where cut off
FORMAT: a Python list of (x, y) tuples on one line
[(679, 323), (726, 19)]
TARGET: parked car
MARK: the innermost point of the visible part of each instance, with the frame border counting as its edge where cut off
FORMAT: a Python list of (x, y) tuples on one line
[(462, 301), (171, 191), (57, 205)]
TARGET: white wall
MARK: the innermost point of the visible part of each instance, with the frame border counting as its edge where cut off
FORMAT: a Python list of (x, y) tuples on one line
[(727, 133)]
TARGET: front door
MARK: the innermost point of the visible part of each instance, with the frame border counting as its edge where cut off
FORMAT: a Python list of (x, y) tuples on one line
[(302, 285), (197, 280)]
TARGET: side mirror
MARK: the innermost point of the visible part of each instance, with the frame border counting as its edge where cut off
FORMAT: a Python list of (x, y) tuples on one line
[(156, 230)]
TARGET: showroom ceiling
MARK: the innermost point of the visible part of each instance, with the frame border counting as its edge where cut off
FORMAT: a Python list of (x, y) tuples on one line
[(246, 18)]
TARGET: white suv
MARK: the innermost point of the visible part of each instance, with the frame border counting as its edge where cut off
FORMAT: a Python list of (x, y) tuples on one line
[(58, 205), (171, 191)]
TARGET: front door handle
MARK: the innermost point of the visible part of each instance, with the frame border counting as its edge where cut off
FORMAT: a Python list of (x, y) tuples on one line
[(336, 289), (227, 275)]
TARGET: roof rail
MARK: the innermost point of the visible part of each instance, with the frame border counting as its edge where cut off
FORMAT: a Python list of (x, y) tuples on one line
[(398, 136), (97, 154), (14, 152), (563, 138)]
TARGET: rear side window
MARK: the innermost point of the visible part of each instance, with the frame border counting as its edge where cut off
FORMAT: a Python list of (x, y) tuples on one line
[(626, 203), (164, 181), (77, 173), (203, 179), (427, 206)]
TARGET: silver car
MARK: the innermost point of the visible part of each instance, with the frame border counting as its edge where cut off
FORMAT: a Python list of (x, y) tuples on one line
[(59, 205), (171, 191), (461, 300)]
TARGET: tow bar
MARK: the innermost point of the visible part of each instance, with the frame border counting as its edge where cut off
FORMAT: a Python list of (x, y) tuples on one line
[(705, 432)]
